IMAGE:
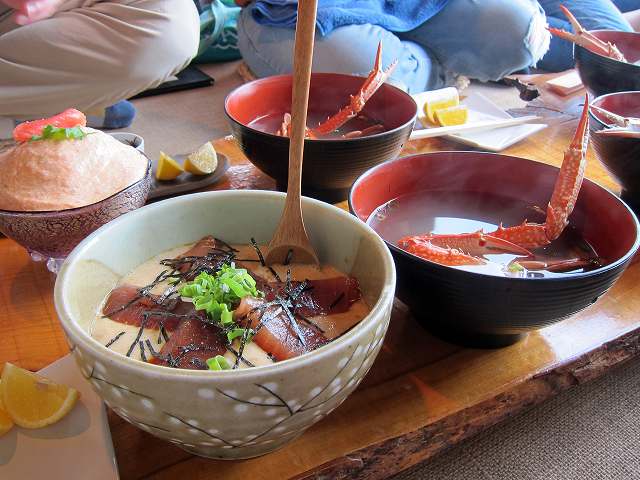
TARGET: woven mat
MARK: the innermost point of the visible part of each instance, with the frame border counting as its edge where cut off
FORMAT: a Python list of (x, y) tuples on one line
[(589, 432)]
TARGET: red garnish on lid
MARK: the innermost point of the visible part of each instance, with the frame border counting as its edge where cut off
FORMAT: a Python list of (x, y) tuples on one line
[(68, 119)]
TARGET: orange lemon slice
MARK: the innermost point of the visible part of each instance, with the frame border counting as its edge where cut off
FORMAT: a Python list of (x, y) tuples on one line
[(6, 423), (203, 161), (429, 102), (168, 168), (446, 117), (33, 401)]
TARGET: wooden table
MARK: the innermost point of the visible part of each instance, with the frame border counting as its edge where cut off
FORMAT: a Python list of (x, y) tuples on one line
[(421, 396)]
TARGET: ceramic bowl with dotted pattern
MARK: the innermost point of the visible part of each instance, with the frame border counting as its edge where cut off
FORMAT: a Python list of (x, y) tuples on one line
[(227, 414)]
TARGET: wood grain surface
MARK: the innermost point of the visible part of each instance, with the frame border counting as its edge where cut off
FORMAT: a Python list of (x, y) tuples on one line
[(422, 394)]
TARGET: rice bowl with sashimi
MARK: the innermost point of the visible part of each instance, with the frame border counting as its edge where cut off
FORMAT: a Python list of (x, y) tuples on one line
[(220, 354)]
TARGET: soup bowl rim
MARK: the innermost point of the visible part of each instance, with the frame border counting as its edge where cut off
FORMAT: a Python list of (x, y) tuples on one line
[(615, 61), (355, 140), (599, 99), (80, 336), (445, 268)]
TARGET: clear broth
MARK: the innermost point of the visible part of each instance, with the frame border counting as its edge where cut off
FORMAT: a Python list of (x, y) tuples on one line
[(271, 123), (463, 212)]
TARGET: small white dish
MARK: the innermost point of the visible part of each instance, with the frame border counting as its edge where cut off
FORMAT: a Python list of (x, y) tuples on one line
[(497, 139), (78, 446)]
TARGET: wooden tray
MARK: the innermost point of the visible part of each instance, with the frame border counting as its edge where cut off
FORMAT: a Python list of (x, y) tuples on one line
[(422, 394)]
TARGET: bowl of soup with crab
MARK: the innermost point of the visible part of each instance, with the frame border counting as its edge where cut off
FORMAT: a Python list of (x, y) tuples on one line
[(257, 113), (490, 247), (181, 328)]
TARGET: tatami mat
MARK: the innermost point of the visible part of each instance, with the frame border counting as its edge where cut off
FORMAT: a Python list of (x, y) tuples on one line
[(591, 432)]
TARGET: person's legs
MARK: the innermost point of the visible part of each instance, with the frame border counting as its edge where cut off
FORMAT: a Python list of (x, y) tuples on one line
[(351, 49), (93, 54), (592, 15), (484, 39)]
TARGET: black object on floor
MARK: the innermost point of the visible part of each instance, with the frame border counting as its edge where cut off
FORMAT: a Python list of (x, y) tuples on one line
[(190, 77)]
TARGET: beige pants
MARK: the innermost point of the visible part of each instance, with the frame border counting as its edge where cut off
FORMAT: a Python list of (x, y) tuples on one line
[(91, 54)]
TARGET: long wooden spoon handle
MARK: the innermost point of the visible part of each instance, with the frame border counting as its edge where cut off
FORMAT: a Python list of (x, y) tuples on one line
[(302, 59)]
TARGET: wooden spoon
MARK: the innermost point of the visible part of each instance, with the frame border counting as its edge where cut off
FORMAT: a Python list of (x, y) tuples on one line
[(291, 234)]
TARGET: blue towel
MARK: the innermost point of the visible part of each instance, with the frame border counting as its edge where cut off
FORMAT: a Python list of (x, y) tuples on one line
[(394, 15)]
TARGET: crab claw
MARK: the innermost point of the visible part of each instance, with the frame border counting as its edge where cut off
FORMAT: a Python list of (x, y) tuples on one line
[(477, 243), (586, 39), (376, 78)]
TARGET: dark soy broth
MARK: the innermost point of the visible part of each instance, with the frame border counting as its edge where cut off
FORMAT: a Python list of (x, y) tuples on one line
[(271, 123), (464, 212)]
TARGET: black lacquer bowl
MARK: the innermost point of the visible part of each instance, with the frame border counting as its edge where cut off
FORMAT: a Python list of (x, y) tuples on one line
[(602, 75), (330, 165), (483, 310), (619, 155)]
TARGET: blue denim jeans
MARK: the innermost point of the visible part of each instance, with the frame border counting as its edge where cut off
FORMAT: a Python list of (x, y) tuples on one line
[(481, 39)]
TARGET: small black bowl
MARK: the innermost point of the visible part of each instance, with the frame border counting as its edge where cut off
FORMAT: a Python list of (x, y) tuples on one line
[(483, 310), (330, 165), (602, 75), (619, 155)]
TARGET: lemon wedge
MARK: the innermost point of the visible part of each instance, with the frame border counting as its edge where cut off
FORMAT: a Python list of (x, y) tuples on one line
[(33, 401), (168, 168), (446, 117), (429, 102), (203, 161), (6, 423)]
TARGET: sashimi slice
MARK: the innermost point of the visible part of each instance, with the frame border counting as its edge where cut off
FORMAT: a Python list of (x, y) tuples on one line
[(68, 119), (321, 297), (210, 253), (123, 306), (276, 334), (191, 345)]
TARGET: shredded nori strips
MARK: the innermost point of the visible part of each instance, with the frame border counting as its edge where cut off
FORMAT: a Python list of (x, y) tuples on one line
[(114, 339), (143, 356)]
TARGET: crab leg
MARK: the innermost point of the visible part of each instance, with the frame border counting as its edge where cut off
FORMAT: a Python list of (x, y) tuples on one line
[(463, 249), (563, 199), (375, 79), (586, 39), (616, 132), (617, 120), (628, 127), (459, 249), (555, 265)]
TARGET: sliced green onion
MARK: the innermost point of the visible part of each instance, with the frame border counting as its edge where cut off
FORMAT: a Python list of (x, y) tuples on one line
[(218, 363), (515, 267), (239, 332)]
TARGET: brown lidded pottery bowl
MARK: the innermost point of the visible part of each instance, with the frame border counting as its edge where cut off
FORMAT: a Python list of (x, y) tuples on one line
[(600, 74), (619, 155), (330, 165), (480, 309), (51, 235)]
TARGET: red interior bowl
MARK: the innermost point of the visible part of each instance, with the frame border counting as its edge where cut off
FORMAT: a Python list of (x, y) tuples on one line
[(485, 310), (330, 165), (620, 156), (602, 75)]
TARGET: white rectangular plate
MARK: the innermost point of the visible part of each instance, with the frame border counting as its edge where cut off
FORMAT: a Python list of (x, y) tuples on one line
[(78, 446), (497, 139)]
